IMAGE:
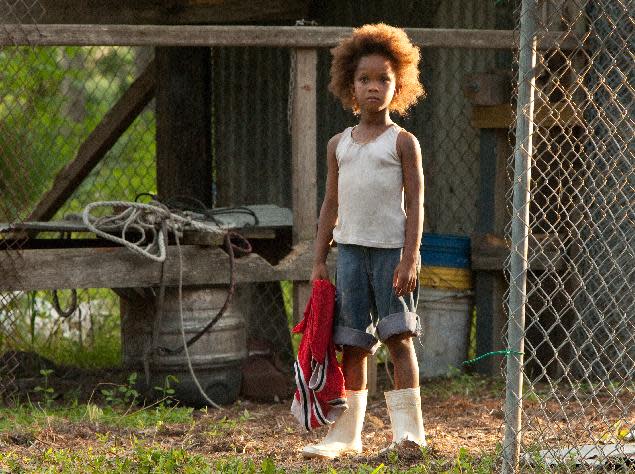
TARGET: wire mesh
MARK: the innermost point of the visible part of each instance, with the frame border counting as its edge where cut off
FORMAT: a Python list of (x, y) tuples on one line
[(53, 97), (579, 335), (579, 340), (449, 141), (11, 175)]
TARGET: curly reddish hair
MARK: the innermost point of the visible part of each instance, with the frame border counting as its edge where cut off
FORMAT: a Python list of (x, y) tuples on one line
[(388, 41)]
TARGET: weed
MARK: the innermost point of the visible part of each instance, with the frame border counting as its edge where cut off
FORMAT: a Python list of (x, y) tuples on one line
[(32, 418), (225, 425), (245, 416), (93, 412), (46, 391), (140, 459), (459, 383), (167, 391), (124, 394), (269, 467)]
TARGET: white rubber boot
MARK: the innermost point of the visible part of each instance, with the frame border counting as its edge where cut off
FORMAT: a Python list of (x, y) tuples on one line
[(404, 408), (345, 435)]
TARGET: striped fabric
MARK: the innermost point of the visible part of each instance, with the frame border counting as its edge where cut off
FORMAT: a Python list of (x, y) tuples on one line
[(320, 396)]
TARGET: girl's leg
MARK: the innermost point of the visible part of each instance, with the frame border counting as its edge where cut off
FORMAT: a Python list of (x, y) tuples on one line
[(404, 359), (354, 367)]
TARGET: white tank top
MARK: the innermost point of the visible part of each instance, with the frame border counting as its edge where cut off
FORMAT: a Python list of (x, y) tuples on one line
[(370, 191)]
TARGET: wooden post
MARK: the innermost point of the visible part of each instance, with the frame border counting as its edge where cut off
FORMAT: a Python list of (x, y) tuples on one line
[(184, 169), (304, 164), (490, 285), (183, 105)]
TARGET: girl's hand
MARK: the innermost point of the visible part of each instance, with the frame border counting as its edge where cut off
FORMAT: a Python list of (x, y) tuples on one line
[(320, 272), (405, 277)]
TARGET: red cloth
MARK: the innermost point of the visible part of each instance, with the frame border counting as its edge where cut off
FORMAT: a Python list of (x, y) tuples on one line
[(320, 396)]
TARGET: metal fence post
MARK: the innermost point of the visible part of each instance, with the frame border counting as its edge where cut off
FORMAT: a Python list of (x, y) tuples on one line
[(520, 233)]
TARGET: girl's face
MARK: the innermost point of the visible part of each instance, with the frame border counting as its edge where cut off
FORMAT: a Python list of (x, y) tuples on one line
[(374, 83)]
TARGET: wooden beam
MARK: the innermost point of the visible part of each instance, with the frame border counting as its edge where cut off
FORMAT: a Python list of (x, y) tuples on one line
[(304, 163), (560, 114), (490, 253), (273, 36), (118, 267), (98, 143), (157, 12), (486, 88), (270, 218)]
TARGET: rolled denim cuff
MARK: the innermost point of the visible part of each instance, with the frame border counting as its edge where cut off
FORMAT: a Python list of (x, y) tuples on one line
[(399, 323), (344, 336)]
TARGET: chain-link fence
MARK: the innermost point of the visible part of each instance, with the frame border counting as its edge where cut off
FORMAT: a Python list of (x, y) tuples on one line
[(54, 97), (572, 292), (570, 295)]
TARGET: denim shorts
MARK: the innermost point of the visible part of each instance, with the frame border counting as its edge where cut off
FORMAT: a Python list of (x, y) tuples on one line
[(367, 308)]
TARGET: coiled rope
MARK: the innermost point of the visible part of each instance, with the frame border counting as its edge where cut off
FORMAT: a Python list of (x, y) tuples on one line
[(152, 222)]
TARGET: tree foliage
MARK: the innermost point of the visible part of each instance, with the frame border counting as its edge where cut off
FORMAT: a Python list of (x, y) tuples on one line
[(51, 98)]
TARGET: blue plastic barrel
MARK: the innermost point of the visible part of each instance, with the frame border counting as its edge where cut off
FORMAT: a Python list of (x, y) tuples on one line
[(445, 250)]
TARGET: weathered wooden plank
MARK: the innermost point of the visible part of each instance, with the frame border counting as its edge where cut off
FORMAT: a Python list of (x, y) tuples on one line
[(491, 317), (102, 138), (490, 253), (195, 237), (561, 114), (269, 217), (274, 36), (304, 146), (371, 375), (184, 121), (488, 88), (304, 165), (157, 12), (39, 226), (117, 267)]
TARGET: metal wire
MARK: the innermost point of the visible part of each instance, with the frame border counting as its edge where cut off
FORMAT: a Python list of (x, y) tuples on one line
[(578, 400), (579, 331)]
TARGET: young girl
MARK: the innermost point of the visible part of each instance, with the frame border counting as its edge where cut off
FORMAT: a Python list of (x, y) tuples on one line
[(371, 166)]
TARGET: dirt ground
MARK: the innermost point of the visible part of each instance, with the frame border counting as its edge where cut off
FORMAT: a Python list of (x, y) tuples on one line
[(457, 413), (462, 412)]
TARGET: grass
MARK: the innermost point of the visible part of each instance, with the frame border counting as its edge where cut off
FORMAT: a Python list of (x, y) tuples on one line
[(33, 417), (123, 438), (111, 435), (116, 460), (37, 328), (140, 457), (459, 383)]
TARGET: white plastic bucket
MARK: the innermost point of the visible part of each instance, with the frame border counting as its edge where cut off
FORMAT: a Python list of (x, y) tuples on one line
[(445, 323)]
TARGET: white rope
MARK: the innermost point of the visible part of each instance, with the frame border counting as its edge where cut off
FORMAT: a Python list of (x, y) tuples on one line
[(145, 219), (187, 352), (148, 220)]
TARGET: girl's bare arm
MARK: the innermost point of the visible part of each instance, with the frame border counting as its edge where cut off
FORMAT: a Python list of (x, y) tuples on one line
[(411, 164), (328, 213)]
